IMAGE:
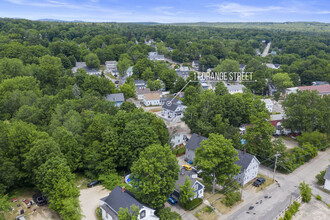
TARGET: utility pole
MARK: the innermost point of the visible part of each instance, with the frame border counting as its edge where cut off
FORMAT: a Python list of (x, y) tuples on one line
[(242, 184), (276, 155)]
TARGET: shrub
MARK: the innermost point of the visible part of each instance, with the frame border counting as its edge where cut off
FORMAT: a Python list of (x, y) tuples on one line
[(193, 204), (110, 181), (167, 214), (208, 209), (231, 199), (320, 177), (293, 209), (305, 191), (318, 197), (179, 151)]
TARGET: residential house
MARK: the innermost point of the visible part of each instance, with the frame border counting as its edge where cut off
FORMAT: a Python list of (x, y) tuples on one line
[(276, 121), (272, 89), (323, 89), (195, 64), (89, 71), (233, 89), (111, 67), (291, 90), (198, 187), (204, 85), (122, 198), (118, 98), (141, 92), (192, 145), (173, 108), (170, 49), (154, 56), (140, 84), (249, 167), (273, 53), (269, 104), (249, 164), (129, 71), (273, 66), (183, 72), (327, 179), (177, 136), (242, 67), (152, 98)]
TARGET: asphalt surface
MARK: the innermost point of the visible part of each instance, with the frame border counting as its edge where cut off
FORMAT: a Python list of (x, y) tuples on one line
[(281, 196)]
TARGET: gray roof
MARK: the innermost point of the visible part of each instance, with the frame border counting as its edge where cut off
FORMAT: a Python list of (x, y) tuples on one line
[(194, 141), (118, 199), (235, 87), (106, 208), (276, 117), (182, 179), (327, 174), (175, 104), (244, 160), (116, 97), (141, 91), (139, 82)]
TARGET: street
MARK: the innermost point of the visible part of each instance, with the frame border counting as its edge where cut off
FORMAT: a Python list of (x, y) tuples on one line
[(265, 53), (281, 196)]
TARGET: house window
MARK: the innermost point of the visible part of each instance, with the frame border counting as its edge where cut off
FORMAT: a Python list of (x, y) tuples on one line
[(143, 214)]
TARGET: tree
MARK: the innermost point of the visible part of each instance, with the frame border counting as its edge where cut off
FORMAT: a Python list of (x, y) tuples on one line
[(167, 214), (123, 64), (155, 172), (320, 177), (258, 136), (228, 66), (221, 89), (5, 205), (128, 90), (282, 81), (305, 191), (129, 214), (92, 61), (186, 192), (216, 157)]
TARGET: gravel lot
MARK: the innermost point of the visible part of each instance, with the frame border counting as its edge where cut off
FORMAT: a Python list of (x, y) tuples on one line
[(312, 210), (90, 200)]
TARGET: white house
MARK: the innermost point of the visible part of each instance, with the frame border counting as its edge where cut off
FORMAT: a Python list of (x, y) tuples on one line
[(141, 92), (249, 167), (197, 186), (111, 67), (89, 71), (195, 64), (154, 56), (269, 104), (177, 136), (129, 71), (173, 108), (140, 84), (152, 98), (233, 89), (273, 66), (249, 164), (327, 179), (122, 198)]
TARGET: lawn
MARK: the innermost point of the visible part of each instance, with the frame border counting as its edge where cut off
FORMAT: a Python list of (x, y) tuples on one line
[(269, 181), (206, 213), (222, 208)]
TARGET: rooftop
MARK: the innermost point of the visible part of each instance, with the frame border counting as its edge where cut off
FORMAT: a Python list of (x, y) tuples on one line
[(115, 97), (244, 159), (194, 141), (152, 96), (320, 88)]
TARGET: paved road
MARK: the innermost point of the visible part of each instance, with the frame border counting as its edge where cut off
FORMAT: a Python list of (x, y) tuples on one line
[(265, 53), (281, 196)]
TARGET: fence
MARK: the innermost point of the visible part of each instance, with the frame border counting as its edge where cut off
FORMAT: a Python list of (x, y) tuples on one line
[(282, 213)]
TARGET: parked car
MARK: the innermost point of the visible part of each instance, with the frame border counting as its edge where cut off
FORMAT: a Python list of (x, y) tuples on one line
[(39, 199), (93, 183), (188, 161), (259, 181), (20, 217), (187, 167), (172, 200)]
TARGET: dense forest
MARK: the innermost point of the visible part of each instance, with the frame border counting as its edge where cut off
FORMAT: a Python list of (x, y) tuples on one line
[(54, 124)]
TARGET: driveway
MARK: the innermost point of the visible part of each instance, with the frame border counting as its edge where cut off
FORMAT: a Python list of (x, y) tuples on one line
[(90, 200), (280, 196), (186, 215)]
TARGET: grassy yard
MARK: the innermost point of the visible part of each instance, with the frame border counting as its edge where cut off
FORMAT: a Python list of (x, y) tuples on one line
[(222, 208), (269, 181), (206, 213)]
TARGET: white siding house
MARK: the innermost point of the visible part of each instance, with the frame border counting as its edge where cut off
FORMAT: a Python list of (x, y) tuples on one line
[(198, 187), (269, 104), (122, 198), (249, 167), (151, 99), (233, 89)]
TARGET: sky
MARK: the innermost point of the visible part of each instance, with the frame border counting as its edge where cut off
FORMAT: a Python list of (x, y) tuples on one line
[(168, 11)]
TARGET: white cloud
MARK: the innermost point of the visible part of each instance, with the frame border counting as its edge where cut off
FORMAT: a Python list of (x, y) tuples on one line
[(243, 10), (165, 10)]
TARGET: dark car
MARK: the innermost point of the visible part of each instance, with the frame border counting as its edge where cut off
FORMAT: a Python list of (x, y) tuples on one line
[(93, 183), (172, 201), (259, 181), (39, 199)]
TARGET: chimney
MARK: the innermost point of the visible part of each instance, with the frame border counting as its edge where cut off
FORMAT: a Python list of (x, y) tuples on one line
[(244, 151), (199, 134), (123, 189)]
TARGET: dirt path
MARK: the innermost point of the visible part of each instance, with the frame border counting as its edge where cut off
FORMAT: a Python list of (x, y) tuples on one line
[(90, 200)]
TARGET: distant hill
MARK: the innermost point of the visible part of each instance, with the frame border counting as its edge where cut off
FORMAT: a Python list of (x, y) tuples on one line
[(56, 20)]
